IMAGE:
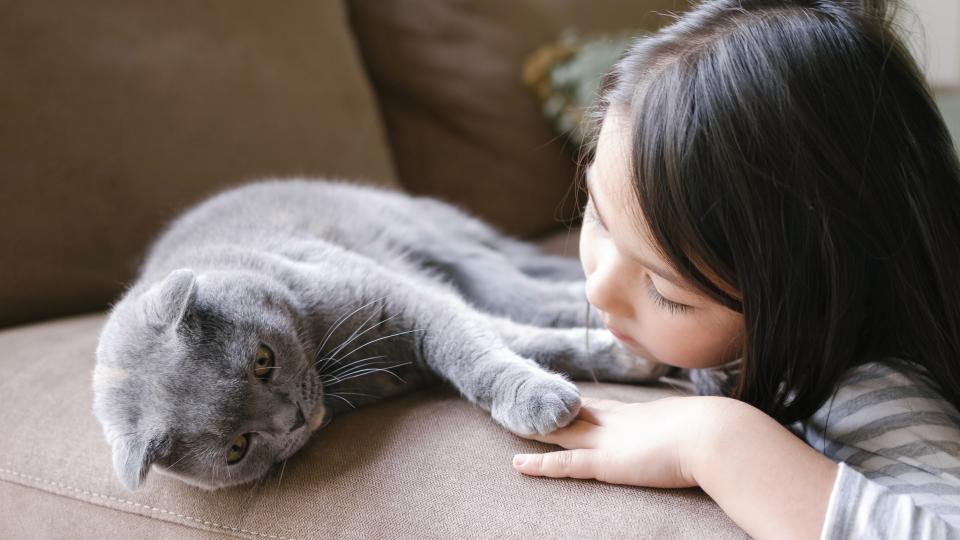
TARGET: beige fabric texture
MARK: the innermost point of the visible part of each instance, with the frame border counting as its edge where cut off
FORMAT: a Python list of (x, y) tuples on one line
[(426, 465), (461, 123), (117, 114)]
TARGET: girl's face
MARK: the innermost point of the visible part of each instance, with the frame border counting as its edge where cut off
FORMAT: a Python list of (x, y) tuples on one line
[(642, 299)]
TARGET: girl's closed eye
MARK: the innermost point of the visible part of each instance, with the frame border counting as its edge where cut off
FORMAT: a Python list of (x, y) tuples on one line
[(673, 307)]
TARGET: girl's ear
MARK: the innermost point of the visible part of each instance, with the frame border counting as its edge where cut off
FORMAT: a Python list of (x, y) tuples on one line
[(165, 303), (134, 454)]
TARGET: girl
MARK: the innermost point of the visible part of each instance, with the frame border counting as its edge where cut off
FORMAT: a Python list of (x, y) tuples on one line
[(775, 200)]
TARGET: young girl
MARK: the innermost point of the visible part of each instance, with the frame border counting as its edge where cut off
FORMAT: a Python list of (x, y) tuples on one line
[(774, 199)]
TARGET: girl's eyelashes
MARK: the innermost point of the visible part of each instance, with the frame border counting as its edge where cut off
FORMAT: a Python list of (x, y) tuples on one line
[(673, 307)]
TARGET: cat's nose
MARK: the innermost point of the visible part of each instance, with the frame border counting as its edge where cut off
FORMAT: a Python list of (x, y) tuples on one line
[(299, 421)]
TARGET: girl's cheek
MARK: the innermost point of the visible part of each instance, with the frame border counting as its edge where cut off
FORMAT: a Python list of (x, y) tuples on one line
[(586, 251)]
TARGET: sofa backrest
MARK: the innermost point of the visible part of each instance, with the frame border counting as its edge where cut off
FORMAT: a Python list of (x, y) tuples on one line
[(117, 114), (461, 123)]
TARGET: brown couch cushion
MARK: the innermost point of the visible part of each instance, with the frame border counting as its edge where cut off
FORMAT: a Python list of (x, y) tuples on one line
[(116, 114), (426, 465), (460, 121)]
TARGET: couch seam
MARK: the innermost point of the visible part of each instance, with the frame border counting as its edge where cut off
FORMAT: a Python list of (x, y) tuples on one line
[(128, 502)]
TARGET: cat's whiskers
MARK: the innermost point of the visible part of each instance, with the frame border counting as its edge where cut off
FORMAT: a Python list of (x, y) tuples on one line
[(337, 377), (282, 468), (343, 345), (339, 321), (344, 399), (345, 366), (331, 358), (360, 327), (323, 362), (379, 339), (249, 496), (366, 371), (174, 464), (353, 393)]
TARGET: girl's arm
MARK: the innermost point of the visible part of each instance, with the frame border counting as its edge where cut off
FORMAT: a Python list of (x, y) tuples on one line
[(769, 482), (766, 479)]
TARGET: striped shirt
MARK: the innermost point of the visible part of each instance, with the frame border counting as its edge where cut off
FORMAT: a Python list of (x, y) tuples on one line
[(897, 442)]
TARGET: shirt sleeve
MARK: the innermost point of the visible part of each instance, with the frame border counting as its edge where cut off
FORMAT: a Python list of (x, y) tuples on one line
[(859, 508), (897, 444)]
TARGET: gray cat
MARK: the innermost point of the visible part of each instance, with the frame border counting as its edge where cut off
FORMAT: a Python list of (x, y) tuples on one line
[(266, 310)]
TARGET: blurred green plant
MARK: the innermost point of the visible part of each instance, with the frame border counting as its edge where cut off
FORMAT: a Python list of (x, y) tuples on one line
[(566, 77)]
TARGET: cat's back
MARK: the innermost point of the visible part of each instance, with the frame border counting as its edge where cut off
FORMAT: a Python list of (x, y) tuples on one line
[(265, 214)]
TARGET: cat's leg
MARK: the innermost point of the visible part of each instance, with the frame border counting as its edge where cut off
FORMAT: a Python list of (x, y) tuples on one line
[(436, 330), (528, 257), (582, 353), (537, 302), (494, 285), (533, 261), (498, 274)]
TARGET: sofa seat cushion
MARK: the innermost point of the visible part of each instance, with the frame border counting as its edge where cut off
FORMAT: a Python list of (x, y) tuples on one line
[(425, 464)]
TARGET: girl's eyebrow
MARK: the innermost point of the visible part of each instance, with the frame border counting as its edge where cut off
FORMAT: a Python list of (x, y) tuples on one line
[(666, 274)]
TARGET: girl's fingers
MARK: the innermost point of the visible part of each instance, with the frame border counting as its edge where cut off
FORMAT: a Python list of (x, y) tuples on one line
[(595, 410), (576, 434), (564, 464)]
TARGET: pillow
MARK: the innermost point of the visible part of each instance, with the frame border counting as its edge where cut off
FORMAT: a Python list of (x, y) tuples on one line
[(461, 123), (119, 114)]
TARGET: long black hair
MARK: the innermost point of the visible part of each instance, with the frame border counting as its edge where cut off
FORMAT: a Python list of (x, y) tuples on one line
[(792, 150)]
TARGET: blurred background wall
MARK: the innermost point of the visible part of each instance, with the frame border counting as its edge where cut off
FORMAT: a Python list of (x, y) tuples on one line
[(933, 32)]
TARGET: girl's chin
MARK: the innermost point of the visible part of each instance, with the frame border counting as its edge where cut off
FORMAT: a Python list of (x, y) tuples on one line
[(635, 348), (685, 363)]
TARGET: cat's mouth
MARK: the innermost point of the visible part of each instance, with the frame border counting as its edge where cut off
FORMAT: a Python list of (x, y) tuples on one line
[(321, 417)]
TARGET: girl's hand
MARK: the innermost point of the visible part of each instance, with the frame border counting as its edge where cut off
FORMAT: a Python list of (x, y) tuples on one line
[(770, 482), (641, 444)]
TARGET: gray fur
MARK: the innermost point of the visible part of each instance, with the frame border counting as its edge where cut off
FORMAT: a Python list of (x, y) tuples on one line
[(361, 293)]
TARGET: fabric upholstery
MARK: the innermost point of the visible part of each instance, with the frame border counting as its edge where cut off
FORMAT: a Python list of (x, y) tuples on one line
[(426, 464), (461, 123), (116, 114)]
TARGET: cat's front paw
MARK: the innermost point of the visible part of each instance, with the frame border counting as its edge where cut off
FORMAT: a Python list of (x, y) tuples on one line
[(540, 404)]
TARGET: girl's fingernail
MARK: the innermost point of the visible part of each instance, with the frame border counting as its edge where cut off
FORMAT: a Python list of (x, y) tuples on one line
[(519, 459)]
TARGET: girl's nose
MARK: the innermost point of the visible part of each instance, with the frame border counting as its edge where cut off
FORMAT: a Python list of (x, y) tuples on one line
[(605, 290)]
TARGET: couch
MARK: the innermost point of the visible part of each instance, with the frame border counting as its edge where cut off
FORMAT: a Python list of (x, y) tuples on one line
[(118, 114)]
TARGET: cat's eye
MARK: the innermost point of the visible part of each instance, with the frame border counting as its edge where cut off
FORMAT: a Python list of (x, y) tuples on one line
[(238, 448), (263, 363)]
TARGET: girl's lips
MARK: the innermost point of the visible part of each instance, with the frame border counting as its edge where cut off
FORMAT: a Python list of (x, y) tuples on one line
[(620, 336)]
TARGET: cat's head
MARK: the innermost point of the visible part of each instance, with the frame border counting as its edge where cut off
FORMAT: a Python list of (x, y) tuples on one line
[(207, 378)]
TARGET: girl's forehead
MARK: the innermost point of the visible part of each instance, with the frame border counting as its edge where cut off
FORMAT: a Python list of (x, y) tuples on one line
[(609, 176), (613, 152)]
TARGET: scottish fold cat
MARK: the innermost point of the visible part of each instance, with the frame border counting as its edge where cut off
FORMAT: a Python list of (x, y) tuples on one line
[(265, 311)]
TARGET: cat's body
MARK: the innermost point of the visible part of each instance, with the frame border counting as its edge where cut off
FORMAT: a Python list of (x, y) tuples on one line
[(264, 311)]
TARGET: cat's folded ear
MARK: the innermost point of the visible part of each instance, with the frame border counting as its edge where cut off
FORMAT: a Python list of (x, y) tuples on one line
[(166, 302), (134, 454)]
